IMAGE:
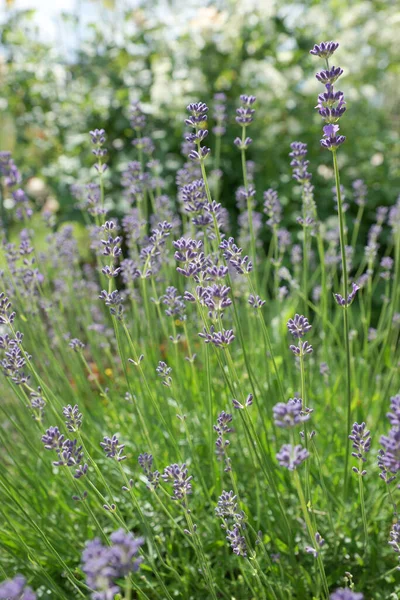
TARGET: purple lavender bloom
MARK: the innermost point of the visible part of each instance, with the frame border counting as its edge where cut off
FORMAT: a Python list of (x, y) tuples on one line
[(299, 162), (221, 339), (350, 298), (137, 118), (298, 326), (256, 302), (389, 458), (394, 414), (164, 371), (346, 594), (292, 457), (227, 506), (223, 428), (237, 540), (324, 49), (15, 589), (145, 460), (329, 76), (181, 481), (245, 114), (198, 114), (113, 448), (125, 548), (219, 115), (360, 192), (102, 565), (6, 315), (53, 439), (302, 349), (232, 253), (394, 540), (73, 417), (331, 141), (361, 438), (272, 207), (76, 345), (319, 540), (291, 413)]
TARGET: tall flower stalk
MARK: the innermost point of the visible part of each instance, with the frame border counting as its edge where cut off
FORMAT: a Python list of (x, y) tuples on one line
[(331, 106)]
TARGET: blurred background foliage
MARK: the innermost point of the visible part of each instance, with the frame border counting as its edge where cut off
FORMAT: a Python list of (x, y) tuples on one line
[(169, 53)]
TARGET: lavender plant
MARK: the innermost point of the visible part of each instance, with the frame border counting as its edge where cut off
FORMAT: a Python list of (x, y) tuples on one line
[(148, 385)]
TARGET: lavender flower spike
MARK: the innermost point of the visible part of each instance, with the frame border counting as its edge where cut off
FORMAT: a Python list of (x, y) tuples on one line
[(298, 326), (346, 594), (350, 298), (15, 589), (361, 439), (324, 49), (292, 457)]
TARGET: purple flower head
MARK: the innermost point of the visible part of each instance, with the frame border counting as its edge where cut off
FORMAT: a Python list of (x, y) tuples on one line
[(272, 207), (256, 302), (102, 565), (53, 439), (302, 349), (125, 548), (76, 345), (394, 414), (113, 448), (164, 371), (221, 339), (361, 438), (219, 115), (291, 413), (153, 477), (299, 163), (292, 457), (324, 49), (331, 106), (331, 141), (346, 594), (227, 506), (237, 540), (394, 540), (181, 481), (298, 326), (223, 425), (73, 417), (15, 589), (6, 315), (329, 75), (350, 298), (245, 114), (389, 458), (137, 118), (360, 192), (198, 114)]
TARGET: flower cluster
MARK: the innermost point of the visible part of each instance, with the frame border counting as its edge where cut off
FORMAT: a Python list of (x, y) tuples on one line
[(350, 298), (181, 481), (103, 565), (361, 438), (291, 413), (68, 452), (298, 327), (145, 460), (113, 448), (389, 455), (223, 428), (198, 115), (16, 589), (331, 104), (291, 457)]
